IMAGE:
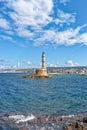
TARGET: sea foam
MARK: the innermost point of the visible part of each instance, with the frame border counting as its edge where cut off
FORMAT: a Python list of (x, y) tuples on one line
[(68, 116), (22, 118)]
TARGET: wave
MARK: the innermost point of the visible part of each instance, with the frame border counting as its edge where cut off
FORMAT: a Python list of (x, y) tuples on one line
[(21, 118), (68, 116)]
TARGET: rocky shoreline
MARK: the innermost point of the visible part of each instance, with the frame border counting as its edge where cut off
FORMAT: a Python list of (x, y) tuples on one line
[(43, 122)]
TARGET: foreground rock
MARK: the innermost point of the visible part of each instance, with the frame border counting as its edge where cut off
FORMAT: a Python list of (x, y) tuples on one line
[(22, 121)]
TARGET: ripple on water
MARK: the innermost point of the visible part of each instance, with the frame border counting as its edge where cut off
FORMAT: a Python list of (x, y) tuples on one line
[(62, 94)]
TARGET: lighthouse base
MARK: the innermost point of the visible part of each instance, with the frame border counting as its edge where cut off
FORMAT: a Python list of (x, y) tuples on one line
[(40, 73)]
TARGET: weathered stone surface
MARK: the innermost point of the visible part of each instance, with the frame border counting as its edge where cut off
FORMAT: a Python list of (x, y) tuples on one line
[(64, 119), (67, 128), (36, 76), (85, 127), (85, 120), (55, 118), (8, 114), (23, 128), (74, 126), (43, 119)]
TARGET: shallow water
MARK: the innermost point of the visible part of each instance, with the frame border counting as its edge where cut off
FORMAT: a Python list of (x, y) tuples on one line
[(61, 94)]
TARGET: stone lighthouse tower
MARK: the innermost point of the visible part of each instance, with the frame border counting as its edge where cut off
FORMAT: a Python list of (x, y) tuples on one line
[(43, 61), (42, 72)]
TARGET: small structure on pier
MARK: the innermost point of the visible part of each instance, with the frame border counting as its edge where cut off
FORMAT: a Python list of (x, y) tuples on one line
[(42, 72)]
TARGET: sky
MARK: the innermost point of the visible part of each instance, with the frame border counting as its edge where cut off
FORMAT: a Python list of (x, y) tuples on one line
[(29, 27)]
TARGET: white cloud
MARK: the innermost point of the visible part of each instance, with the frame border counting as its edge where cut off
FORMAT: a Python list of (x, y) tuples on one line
[(6, 37), (16, 66), (67, 37), (52, 65), (25, 33), (64, 1), (29, 17), (9, 32), (36, 14), (83, 38), (65, 18), (71, 63), (3, 67), (31, 13), (29, 63), (4, 23)]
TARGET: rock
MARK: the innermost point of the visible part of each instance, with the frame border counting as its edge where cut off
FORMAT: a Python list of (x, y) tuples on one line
[(55, 119), (76, 126), (80, 120), (32, 122), (22, 128), (43, 119), (67, 128), (64, 119), (85, 120), (7, 115), (85, 127)]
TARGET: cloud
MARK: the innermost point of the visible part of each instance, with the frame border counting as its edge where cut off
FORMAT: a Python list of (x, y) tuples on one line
[(22, 32), (65, 18), (29, 16), (31, 13), (6, 37), (16, 66), (4, 61), (52, 65), (29, 63), (26, 17), (71, 63), (4, 23), (3, 67), (35, 21), (67, 37), (64, 1), (83, 38), (5, 64)]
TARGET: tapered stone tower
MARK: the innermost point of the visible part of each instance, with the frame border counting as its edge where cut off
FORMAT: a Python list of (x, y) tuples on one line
[(42, 72), (43, 61)]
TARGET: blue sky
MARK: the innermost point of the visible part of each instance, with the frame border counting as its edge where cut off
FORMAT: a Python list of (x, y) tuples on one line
[(29, 27)]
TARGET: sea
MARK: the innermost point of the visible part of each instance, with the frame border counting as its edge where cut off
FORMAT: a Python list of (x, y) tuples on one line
[(62, 94)]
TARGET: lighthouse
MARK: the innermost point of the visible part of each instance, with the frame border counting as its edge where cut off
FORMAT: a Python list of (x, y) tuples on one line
[(43, 61), (40, 72)]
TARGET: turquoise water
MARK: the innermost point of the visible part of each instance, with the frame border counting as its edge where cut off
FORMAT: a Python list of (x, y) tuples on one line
[(61, 94)]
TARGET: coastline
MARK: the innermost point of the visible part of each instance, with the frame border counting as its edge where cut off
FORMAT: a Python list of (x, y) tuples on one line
[(82, 70), (23, 121)]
